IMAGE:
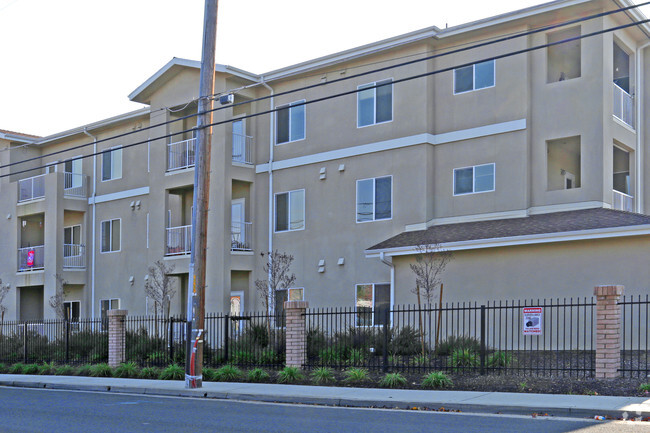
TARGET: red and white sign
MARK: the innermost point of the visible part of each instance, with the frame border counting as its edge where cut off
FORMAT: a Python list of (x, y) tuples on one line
[(30, 258), (532, 320)]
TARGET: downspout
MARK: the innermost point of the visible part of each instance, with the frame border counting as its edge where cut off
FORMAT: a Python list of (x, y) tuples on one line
[(389, 263), (271, 144), (94, 228), (639, 127)]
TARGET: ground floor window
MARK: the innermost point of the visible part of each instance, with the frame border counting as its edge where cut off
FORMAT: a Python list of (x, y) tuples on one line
[(71, 310), (105, 305), (372, 304), (282, 295)]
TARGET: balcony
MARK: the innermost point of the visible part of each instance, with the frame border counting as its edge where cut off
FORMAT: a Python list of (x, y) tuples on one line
[(74, 256), (31, 188), (240, 236), (622, 201), (179, 240), (74, 185), (241, 148), (31, 258), (623, 106), (180, 154)]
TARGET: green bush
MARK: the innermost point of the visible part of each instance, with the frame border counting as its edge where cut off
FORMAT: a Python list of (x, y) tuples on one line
[(436, 380), (228, 373), (17, 368), (499, 359), (356, 375), (453, 343), (322, 375), (393, 380), (258, 375), (64, 370), (406, 342), (316, 342), (209, 374), (126, 370), (242, 357), (464, 358), (173, 372), (3, 368), (645, 387), (332, 356), (101, 370), (91, 345), (289, 375), (84, 370), (357, 356), (268, 356), (30, 369), (46, 368), (150, 373)]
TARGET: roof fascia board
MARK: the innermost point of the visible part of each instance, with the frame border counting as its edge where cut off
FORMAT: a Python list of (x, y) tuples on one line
[(17, 138), (578, 235), (162, 71), (102, 123)]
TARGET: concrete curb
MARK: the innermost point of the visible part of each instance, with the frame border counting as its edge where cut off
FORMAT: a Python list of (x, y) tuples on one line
[(496, 408)]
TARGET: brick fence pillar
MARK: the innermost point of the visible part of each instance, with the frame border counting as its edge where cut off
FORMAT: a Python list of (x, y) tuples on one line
[(116, 337), (296, 337), (608, 331)]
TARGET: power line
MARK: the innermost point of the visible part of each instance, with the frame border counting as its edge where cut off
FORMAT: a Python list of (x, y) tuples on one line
[(262, 98)]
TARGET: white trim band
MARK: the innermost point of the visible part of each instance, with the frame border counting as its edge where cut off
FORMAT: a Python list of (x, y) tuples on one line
[(119, 195)]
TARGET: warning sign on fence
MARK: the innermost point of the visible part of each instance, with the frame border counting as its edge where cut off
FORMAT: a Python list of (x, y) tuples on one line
[(532, 320)]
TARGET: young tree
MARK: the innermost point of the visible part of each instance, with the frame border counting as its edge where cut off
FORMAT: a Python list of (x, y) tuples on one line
[(57, 301), (277, 268), (430, 263), (159, 288), (4, 289)]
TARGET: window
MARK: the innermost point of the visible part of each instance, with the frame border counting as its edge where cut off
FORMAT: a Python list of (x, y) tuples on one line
[(290, 122), (290, 211), (73, 173), (563, 163), (72, 241), (105, 305), (563, 60), (469, 180), (375, 103), (474, 77), (373, 304), (110, 236), (282, 295), (374, 199), (71, 310), (112, 164)]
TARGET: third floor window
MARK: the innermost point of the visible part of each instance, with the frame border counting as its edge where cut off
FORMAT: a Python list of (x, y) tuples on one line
[(290, 122), (374, 199), (474, 77), (112, 164), (375, 103)]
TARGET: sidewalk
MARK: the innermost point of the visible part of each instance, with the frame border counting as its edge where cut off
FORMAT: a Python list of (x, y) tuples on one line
[(466, 401)]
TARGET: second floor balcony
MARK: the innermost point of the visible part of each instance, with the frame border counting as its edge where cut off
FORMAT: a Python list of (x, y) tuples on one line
[(622, 201), (241, 148), (31, 258), (623, 106), (31, 188), (74, 256), (179, 240), (180, 154), (75, 185), (241, 233)]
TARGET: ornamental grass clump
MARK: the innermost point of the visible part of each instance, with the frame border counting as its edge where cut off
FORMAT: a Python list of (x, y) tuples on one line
[(464, 358), (46, 368), (84, 370), (499, 359), (228, 373), (30, 369), (289, 375), (258, 375), (356, 375), (150, 373), (172, 372), (17, 368), (393, 380), (323, 375), (436, 380), (101, 370), (64, 370), (209, 374), (127, 370)]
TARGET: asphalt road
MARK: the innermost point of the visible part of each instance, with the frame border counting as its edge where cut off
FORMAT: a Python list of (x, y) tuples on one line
[(37, 411)]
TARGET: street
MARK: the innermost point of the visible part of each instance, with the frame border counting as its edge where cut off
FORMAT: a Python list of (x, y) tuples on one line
[(35, 410)]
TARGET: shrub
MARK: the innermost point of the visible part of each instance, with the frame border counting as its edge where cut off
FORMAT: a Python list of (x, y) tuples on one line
[(64, 370), (127, 369), (356, 375), (101, 370), (463, 358), (316, 341), (392, 380), (421, 359), (289, 375), (17, 368), (406, 342), (258, 375), (46, 368), (357, 356), (332, 356), (452, 344), (228, 373), (173, 372), (209, 374), (269, 356), (242, 357), (436, 380), (322, 375), (84, 370), (149, 373), (499, 359), (30, 369), (3, 368), (645, 387)]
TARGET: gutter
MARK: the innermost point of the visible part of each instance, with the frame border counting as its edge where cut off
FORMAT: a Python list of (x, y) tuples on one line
[(638, 100), (94, 223), (270, 165), (389, 263)]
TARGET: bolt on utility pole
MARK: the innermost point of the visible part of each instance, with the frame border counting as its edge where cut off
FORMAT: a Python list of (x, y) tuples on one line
[(196, 289)]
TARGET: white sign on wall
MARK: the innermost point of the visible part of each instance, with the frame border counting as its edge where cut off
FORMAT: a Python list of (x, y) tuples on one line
[(532, 320)]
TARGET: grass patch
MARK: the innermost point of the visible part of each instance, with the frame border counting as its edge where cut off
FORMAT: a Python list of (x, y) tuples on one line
[(64, 370), (289, 375), (30, 369), (150, 373), (436, 380), (173, 372), (258, 375), (126, 370), (101, 370), (393, 380), (323, 375), (228, 373)]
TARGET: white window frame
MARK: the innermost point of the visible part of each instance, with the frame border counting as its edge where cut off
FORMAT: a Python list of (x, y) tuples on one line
[(474, 88), (288, 290), (110, 301), (372, 313), (101, 237), (473, 167), (112, 154), (374, 187), (72, 302), (374, 105), (304, 121), (275, 211)]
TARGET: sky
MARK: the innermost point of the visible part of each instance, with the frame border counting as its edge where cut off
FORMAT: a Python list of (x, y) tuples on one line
[(67, 63)]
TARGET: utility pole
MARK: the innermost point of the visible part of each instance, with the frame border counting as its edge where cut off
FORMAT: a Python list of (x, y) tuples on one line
[(196, 289)]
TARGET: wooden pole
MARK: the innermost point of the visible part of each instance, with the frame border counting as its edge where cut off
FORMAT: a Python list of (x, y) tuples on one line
[(196, 306), (439, 318)]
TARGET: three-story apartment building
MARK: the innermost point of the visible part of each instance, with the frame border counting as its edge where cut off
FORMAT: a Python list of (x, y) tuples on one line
[(524, 156)]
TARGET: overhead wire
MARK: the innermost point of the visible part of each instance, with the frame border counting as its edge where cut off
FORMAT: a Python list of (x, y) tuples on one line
[(337, 95)]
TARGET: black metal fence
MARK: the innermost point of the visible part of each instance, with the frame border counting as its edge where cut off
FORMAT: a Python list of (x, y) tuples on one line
[(634, 336)]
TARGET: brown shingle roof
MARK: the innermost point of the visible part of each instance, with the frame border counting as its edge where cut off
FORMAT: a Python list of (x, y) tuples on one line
[(557, 222)]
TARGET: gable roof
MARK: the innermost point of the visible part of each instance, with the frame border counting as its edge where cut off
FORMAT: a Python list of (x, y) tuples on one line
[(550, 227)]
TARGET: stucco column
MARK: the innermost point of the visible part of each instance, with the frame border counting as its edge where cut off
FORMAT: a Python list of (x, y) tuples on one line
[(116, 337), (608, 331), (296, 337)]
